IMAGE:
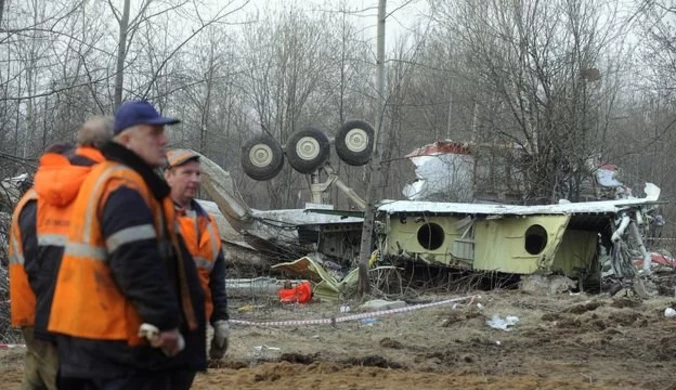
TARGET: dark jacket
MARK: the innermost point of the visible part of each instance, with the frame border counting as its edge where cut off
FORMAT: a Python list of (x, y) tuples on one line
[(148, 276)]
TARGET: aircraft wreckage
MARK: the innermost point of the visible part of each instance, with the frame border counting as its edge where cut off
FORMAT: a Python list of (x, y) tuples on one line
[(571, 239)]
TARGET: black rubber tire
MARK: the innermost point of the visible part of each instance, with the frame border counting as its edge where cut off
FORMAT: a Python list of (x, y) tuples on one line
[(355, 154), (269, 161), (307, 149)]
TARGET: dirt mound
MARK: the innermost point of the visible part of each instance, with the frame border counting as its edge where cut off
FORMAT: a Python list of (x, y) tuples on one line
[(373, 361), (621, 303), (389, 343), (560, 342), (461, 318), (331, 376), (585, 307), (666, 349), (624, 317), (298, 358)]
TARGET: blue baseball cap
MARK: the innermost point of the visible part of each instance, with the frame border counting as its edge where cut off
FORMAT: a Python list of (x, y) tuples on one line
[(139, 112)]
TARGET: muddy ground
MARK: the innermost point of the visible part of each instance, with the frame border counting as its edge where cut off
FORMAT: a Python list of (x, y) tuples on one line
[(560, 342)]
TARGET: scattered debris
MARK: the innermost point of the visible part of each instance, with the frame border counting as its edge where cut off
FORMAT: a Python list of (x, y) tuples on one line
[(264, 353), (499, 323), (381, 304), (302, 293), (256, 287), (327, 285)]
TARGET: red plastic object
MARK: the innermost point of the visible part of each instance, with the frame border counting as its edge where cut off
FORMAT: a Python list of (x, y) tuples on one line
[(299, 294)]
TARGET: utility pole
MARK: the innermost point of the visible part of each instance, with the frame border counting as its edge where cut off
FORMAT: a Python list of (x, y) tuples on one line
[(374, 166)]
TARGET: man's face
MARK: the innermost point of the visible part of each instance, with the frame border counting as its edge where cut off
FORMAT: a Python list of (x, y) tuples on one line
[(148, 142), (184, 181)]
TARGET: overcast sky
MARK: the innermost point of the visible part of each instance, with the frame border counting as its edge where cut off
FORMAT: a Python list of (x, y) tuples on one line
[(404, 13)]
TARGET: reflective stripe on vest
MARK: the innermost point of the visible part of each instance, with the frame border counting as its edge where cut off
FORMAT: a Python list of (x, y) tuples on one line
[(204, 264), (16, 256), (92, 201), (213, 239), (93, 252), (46, 239), (129, 235)]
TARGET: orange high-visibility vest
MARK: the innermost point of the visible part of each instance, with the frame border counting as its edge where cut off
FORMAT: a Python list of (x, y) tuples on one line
[(21, 295), (87, 301), (53, 215), (204, 244)]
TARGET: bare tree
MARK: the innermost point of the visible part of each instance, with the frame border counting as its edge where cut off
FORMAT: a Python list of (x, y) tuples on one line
[(535, 67)]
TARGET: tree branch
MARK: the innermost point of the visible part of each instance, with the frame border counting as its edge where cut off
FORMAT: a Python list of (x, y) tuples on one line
[(115, 12)]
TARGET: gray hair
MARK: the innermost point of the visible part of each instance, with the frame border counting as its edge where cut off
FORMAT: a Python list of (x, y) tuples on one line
[(96, 131)]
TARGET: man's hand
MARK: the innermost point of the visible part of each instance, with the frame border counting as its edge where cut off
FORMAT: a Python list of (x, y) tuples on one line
[(171, 341), (219, 344)]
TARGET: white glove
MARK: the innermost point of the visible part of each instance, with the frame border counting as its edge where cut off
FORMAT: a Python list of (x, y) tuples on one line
[(219, 344)]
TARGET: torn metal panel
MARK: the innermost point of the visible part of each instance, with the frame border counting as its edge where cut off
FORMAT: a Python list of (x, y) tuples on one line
[(519, 245), (327, 285), (430, 239), (576, 253), (597, 207), (227, 232), (442, 174)]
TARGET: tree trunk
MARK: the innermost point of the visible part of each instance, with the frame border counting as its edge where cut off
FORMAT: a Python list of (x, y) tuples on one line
[(121, 54), (374, 171), (2, 8)]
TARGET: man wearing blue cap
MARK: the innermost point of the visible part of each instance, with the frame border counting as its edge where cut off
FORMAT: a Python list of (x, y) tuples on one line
[(128, 306)]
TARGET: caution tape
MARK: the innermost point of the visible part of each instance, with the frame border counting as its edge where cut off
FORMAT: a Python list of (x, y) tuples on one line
[(352, 317), (327, 321)]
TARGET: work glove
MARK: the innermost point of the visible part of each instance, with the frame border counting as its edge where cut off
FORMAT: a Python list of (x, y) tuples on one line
[(219, 344)]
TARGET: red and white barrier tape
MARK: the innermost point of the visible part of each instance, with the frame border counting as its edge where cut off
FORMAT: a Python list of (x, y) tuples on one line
[(353, 317)]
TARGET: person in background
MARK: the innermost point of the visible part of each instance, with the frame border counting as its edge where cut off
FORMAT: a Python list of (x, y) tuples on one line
[(203, 240), (38, 231)]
